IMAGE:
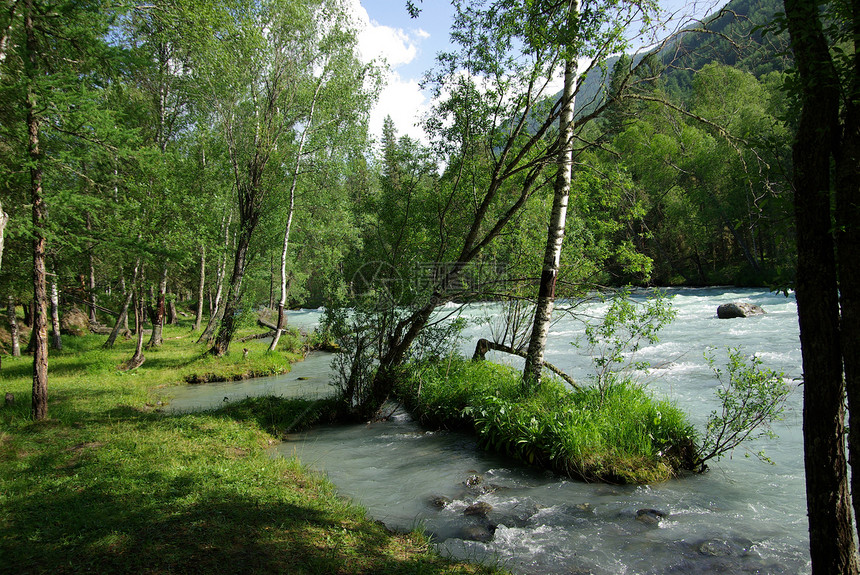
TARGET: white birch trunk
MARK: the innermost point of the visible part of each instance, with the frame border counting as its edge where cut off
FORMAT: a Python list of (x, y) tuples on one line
[(283, 301), (198, 319), (14, 332), (555, 235), (4, 219), (56, 340)]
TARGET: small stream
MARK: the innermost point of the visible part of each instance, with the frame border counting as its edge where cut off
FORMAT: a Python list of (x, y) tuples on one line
[(743, 516)]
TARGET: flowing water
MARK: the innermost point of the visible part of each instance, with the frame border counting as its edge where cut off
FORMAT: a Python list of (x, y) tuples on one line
[(742, 516)]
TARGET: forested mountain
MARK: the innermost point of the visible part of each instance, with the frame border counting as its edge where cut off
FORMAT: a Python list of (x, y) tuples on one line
[(704, 135)]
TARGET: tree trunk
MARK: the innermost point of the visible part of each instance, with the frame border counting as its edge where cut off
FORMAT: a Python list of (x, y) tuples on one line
[(156, 338), (122, 320), (831, 533), (198, 317), (234, 288), (171, 309), (283, 301), (4, 219), (138, 358), (92, 274), (14, 333), (56, 340), (217, 311), (485, 345), (555, 233), (39, 337), (848, 251)]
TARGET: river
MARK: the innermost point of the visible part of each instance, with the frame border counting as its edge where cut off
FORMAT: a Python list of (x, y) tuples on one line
[(742, 516)]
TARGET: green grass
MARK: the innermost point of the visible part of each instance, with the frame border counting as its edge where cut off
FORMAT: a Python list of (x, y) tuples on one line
[(108, 484), (621, 436)]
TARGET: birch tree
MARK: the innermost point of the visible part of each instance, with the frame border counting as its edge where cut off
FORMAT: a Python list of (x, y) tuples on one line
[(255, 80), (339, 96), (496, 130)]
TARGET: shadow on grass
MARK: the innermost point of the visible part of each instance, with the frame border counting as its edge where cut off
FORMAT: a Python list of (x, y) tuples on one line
[(280, 416), (100, 530)]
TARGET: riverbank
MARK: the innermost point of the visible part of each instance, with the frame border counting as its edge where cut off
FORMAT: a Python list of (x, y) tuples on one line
[(109, 483), (620, 434)]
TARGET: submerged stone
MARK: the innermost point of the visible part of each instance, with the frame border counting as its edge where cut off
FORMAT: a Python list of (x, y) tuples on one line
[(480, 509), (481, 533), (650, 516), (439, 501)]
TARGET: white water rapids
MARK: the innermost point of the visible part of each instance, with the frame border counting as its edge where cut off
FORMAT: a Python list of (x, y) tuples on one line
[(742, 516)]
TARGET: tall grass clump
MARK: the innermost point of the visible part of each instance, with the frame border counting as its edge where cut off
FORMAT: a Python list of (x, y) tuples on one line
[(618, 434)]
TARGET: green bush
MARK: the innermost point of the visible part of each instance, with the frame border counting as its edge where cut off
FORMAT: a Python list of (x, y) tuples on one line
[(617, 434)]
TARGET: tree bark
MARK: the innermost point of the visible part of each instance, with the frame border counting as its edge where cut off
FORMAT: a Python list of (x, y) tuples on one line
[(485, 345), (848, 252), (138, 358), (56, 339), (14, 332), (555, 233), (4, 219), (291, 210), (198, 317), (234, 289), (92, 274), (39, 337), (156, 338), (122, 320), (218, 309), (171, 309), (831, 533)]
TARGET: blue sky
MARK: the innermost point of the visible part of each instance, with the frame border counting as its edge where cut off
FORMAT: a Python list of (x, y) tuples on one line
[(410, 45)]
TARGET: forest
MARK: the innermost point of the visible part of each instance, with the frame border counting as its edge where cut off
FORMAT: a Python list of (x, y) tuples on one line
[(165, 149), (211, 161)]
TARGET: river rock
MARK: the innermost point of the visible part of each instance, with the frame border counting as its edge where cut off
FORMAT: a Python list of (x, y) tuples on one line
[(482, 533), (439, 501), (478, 509), (649, 516), (735, 547), (473, 481), (732, 310)]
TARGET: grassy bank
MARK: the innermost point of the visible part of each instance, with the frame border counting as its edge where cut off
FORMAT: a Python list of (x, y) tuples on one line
[(620, 435), (108, 484)]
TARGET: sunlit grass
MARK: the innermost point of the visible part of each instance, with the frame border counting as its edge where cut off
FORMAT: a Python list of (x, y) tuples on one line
[(619, 435), (109, 484)]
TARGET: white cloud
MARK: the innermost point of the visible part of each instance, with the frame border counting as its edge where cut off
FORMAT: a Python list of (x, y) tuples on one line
[(401, 98)]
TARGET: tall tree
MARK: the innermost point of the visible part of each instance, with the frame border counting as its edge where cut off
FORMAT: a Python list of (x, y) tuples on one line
[(256, 80), (52, 52), (495, 128), (821, 136), (336, 102), (558, 218)]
